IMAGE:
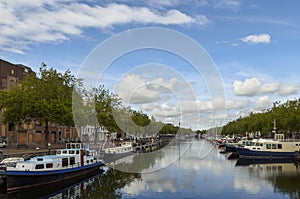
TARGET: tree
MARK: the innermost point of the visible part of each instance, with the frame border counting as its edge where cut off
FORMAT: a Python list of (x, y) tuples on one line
[(46, 97)]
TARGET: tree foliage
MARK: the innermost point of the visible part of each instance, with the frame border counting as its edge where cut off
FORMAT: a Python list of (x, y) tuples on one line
[(46, 97), (286, 115)]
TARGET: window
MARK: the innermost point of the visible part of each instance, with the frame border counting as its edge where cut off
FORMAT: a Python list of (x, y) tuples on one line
[(4, 83), (12, 83), (71, 152), (39, 166), (65, 152), (12, 71), (273, 146), (49, 165), (268, 146), (72, 160), (279, 146), (64, 162)]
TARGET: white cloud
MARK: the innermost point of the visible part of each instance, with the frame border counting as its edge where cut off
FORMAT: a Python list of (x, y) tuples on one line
[(249, 87), (24, 23), (289, 89), (253, 86), (231, 4), (257, 38), (270, 87), (263, 102)]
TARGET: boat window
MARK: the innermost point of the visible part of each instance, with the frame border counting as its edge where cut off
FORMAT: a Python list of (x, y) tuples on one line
[(71, 152), (72, 160), (77, 151), (279, 146), (49, 165), (39, 166), (261, 144), (40, 159), (64, 151), (64, 162), (296, 144), (273, 146), (256, 144), (58, 152), (268, 146)]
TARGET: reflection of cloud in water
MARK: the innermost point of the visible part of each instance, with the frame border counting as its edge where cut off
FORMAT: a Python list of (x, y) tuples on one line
[(189, 172), (244, 181), (155, 181)]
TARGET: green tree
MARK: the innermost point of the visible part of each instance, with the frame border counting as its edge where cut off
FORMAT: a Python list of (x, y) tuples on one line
[(46, 97)]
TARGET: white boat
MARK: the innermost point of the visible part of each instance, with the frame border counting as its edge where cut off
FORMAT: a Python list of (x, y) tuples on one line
[(72, 163), (112, 154), (11, 162)]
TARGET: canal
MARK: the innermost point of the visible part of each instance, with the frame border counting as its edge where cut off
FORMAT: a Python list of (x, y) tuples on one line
[(185, 169)]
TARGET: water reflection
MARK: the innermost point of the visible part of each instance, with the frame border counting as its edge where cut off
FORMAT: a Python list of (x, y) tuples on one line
[(283, 175), (199, 171)]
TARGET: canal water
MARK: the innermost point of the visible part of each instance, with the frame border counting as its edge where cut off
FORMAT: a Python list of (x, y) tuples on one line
[(183, 169)]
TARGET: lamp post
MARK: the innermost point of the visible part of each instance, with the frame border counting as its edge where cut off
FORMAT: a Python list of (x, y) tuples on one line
[(49, 147)]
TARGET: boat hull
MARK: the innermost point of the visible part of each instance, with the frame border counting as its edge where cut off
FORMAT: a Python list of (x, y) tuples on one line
[(20, 180), (247, 153)]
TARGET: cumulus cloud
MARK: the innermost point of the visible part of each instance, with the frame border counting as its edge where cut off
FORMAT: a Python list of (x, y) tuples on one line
[(249, 87), (257, 38), (253, 86), (289, 89), (30, 22), (263, 102), (134, 89)]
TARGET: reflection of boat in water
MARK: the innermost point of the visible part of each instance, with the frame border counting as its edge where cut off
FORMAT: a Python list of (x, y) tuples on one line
[(248, 161), (73, 162)]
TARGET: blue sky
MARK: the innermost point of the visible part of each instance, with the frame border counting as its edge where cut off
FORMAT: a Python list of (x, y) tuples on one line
[(254, 45)]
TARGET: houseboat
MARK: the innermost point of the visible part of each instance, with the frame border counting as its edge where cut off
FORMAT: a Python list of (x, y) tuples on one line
[(114, 153), (75, 162), (272, 149)]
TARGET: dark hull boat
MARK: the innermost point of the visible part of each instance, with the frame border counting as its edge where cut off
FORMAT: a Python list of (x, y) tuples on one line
[(71, 164), (255, 154)]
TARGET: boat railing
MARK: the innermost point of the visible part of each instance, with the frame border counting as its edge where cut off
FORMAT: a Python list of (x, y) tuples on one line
[(289, 140)]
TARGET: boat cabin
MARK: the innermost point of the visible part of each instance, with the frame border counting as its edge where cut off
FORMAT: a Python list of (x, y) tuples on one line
[(74, 155)]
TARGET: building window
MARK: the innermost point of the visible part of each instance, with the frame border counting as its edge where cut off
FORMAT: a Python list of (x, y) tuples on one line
[(12, 71), (12, 83), (4, 83)]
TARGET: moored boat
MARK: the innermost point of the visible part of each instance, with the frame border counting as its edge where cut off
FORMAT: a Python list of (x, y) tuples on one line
[(112, 154), (73, 162), (270, 149)]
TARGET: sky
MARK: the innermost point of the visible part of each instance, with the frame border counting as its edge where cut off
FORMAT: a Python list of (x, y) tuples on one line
[(206, 62)]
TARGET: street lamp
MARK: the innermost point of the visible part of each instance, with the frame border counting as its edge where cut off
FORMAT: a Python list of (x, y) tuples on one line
[(49, 147)]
